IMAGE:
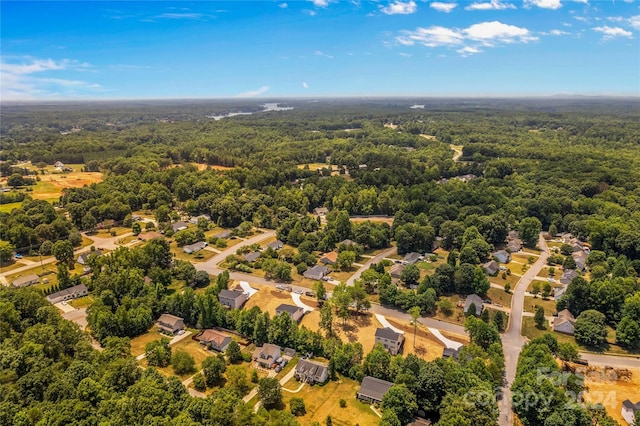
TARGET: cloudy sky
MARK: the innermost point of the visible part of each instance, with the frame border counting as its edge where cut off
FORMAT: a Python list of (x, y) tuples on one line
[(127, 49)]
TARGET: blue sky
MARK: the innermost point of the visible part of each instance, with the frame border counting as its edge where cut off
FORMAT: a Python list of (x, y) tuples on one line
[(133, 50)]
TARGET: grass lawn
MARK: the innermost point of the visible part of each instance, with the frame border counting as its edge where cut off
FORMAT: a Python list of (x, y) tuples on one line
[(106, 233), (457, 317), (82, 302), (499, 296), (201, 256), (426, 266), (323, 400), (541, 285), (195, 349), (512, 280), (544, 272), (138, 343), (6, 208), (531, 304), (10, 266)]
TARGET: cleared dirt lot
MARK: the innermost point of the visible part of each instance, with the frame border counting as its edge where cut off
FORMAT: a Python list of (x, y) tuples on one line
[(611, 387)]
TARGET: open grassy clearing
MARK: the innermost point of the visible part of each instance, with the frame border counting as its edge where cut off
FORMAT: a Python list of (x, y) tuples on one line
[(6, 208), (499, 296), (48, 271), (202, 166), (531, 304), (138, 343), (323, 400), (512, 280), (541, 285), (610, 389), (457, 315)]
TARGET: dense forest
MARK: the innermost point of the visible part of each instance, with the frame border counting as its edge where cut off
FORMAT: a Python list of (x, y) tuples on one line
[(556, 166)]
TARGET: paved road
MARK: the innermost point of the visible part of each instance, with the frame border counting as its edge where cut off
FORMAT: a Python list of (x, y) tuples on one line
[(368, 263), (512, 340), (611, 360), (211, 265)]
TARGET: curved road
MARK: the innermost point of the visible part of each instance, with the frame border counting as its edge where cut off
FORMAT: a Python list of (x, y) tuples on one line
[(512, 339)]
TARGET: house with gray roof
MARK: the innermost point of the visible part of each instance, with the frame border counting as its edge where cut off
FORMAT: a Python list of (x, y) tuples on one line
[(411, 258), (564, 322), (372, 390), (450, 353), (311, 372), (252, 257), (194, 219), (233, 299), (475, 300), (266, 355), (568, 275), (194, 248), (396, 270), (295, 312), (320, 211), (558, 292), (179, 226), (630, 411), (26, 280), (491, 268), (84, 257), (74, 292), (391, 340), (502, 256), (316, 273), (276, 245), (170, 324), (223, 234)]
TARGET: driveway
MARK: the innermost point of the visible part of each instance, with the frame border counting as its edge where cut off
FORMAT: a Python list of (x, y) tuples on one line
[(368, 263), (79, 316), (64, 307), (382, 320), (299, 303)]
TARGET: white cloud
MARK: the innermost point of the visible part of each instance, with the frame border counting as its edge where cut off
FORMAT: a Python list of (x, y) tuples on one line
[(469, 40), (544, 4), (305, 85), (253, 93), (320, 3), (492, 5), (321, 53), (633, 21), (612, 32), (490, 32), (431, 37), (582, 1), (20, 79), (468, 51), (558, 33), (400, 8), (196, 16), (283, 5), (443, 7), (310, 12), (405, 55)]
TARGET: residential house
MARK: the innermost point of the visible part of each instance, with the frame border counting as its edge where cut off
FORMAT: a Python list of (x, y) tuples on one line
[(475, 300), (411, 258), (514, 245), (146, 236), (391, 340), (194, 248), (215, 340), (450, 353), (194, 219), (502, 256), (233, 299), (513, 235), (347, 243), (491, 268), (372, 390), (59, 165), (311, 372), (68, 294), (329, 258), (316, 273), (320, 211), (558, 292), (276, 245), (252, 257), (564, 322), (581, 260), (223, 234), (630, 410), (26, 280), (170, 324), (568, 275), (82, 259), (179, 226), (295, 312), (396, 270), (266, 355)]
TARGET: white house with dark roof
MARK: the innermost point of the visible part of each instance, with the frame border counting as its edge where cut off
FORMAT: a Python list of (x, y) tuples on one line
[(295, 312), (474, 299), (26, 280), (233, 299), (391, 340), (373, 390), (311, 372), (630, 410)]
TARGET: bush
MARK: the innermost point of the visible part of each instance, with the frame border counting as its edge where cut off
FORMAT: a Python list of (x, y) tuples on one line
[(198, 382), (183, 363), (243, 268), (297, 407), (254, 377), (246, 357), (507, 288), (343, 403)]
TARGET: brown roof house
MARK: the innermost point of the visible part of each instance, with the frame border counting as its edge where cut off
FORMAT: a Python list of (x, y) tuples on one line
[(311, 372), (329, 258), (266, 355), (295, 312), (27, 280), (564, 322), (373, 390), (215, 340), (233, 299), (391, 340), (68, 294), (170, 324)]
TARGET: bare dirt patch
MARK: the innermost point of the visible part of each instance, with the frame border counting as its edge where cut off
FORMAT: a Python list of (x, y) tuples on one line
[(610, 387)]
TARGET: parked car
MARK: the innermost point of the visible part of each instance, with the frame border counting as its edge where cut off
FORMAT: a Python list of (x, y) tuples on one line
[(298, 291), (308, 293), (278, 368), (18, 256)]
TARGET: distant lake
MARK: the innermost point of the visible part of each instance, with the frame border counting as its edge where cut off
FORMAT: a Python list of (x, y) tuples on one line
[(272, 106)]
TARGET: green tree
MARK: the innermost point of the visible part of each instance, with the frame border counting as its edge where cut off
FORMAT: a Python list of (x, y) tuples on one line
[(213, 367), (233, 352), (135, 228), (296, 405), (530, 227), (89, 222), (63, 251), (326, 319), (567, 351), (410, 275), (201, 279), (199, 383), (591, 328), (377, 363), (341, 301), (401, 401), (158, 352), (481, 333), (499, 320), (628, 333), (6, 251), (539, 318), (15, 180), (319, 291), (182, 362), (237, 380), (269, 392), (346, 258), (415, 314)]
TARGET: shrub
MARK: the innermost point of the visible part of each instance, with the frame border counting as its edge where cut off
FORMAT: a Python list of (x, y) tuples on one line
[(198, 382), (297, 407), (343, 403)]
